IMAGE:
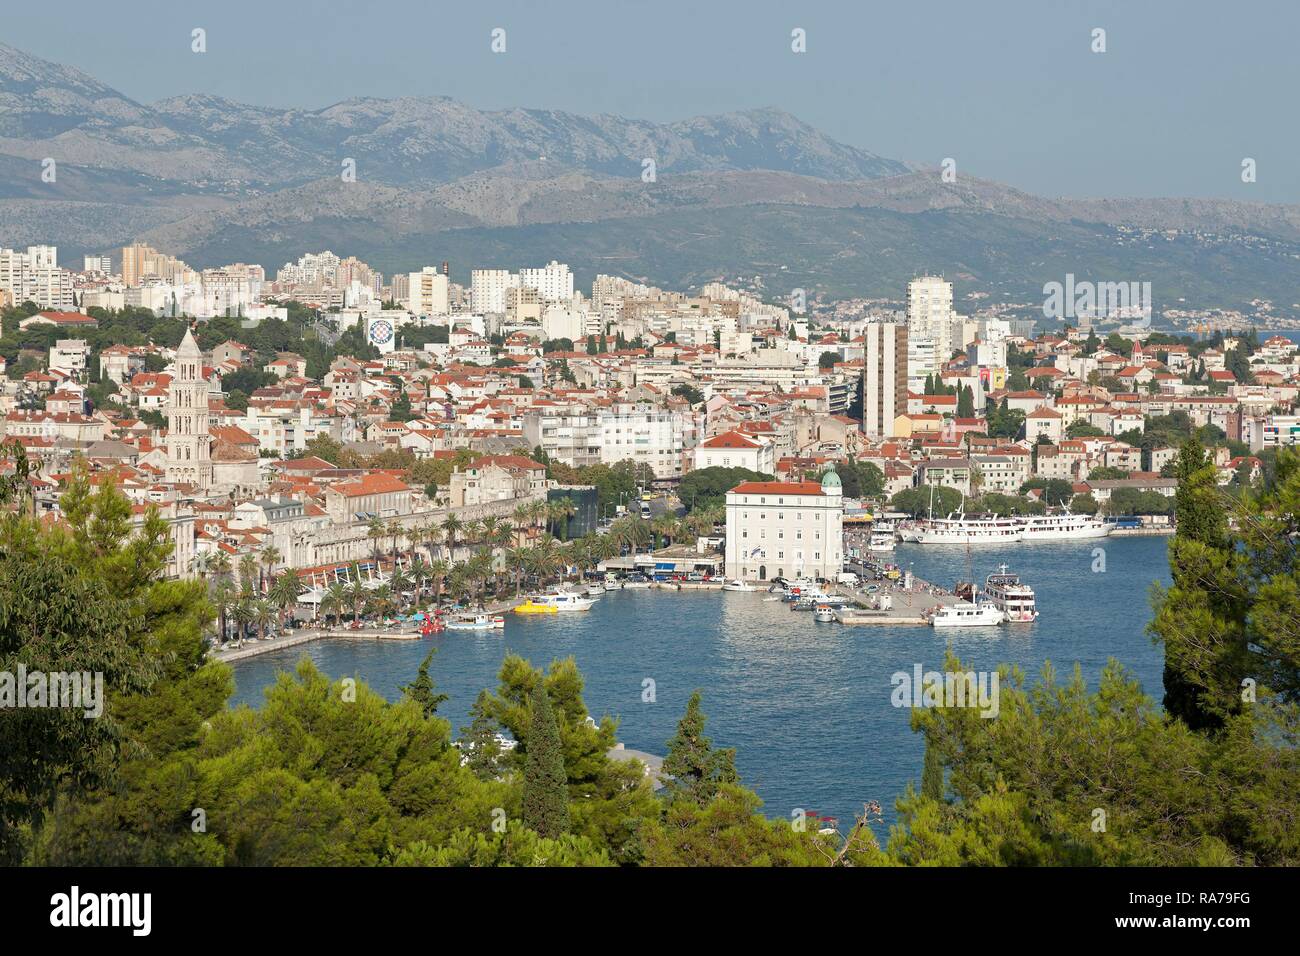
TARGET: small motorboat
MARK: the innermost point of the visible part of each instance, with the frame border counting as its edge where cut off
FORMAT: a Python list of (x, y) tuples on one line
[(738, 585), (824, 613), (595, 590)]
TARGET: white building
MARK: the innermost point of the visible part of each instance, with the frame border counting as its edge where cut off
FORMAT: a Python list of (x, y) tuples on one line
[(427, 292), (648, 435), (785, 529), (930, 316), (737, 450), (553, 282), (488, 289)]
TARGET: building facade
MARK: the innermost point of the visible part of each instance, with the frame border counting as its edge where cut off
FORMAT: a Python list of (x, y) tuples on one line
[(785, 529)]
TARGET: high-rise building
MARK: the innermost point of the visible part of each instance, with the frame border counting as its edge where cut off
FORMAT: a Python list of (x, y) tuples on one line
[(884, 379), (140, 262), (488, 289), (188, 441), (930, 315), (426, 292), (553, 282)]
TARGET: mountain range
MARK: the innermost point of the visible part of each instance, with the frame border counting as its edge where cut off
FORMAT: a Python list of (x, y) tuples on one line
[(757, 197)]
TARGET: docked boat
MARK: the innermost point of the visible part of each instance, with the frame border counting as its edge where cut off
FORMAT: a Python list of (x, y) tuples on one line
[(824, 613), (536, 607), (476, 622), (565, 601), (966, 614), (959, 528), (595, 590), (1011, 596), (636, 581), (612, 583), (1063, 526), (738, 585)]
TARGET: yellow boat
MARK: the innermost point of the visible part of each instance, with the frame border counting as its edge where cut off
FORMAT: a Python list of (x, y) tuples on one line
[(532, 607)]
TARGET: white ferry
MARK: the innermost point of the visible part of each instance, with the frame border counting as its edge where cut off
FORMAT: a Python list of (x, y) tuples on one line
[(1064, 526), (1010, 596), (957, 528), (965, 614)]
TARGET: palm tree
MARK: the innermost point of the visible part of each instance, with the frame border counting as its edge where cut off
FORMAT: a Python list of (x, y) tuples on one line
[(434, 535), (398, 582), (334, 601), (536, 512), (356, 591), (268, 556), (248, 570), (223, 597), (284, 592), (488, 530), (451, 527), (242, 612), (665, 528), (473, 532), (395, 531), (376, 532), (519, 559), (380, 601), (522, 516), (437, 572), (560, 511), (263, 613)]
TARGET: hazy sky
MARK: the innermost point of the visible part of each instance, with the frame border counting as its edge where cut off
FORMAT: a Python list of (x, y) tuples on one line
[(1011, 90)]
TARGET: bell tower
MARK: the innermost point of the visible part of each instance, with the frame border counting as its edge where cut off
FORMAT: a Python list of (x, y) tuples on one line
[(188, 459)]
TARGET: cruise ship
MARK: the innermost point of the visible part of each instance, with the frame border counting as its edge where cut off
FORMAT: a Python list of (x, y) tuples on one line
[(1063, 527), (1011, 596), (957, 528)]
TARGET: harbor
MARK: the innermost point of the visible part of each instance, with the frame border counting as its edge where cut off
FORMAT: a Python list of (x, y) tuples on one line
[(806, 703)]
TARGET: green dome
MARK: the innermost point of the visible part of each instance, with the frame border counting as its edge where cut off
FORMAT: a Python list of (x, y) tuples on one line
[(831, 479)]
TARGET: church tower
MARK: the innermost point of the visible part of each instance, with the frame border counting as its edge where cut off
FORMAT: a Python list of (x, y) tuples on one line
[(188, 460)]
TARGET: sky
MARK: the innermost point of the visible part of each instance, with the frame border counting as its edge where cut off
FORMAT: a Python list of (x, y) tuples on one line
[(1010, 90)]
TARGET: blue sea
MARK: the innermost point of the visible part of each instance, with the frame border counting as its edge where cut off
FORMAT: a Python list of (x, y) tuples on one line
[(806, 705)]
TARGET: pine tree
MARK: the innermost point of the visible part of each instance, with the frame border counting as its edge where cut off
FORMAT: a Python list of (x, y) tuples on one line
[(479, 742), (1202, 617), (932, 772), (546, 786), (422, 690), (694, 769)]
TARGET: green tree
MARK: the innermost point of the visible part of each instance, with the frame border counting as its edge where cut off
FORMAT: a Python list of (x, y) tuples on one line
[(693, 769), (422, 690), (546, 796)]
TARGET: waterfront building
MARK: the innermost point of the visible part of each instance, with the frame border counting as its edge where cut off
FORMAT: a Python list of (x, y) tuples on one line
[(785, 529)]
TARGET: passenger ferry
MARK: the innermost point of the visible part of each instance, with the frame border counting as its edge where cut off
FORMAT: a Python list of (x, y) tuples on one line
[(965, 614), (1010, 596), (1064, 526), (957, 528)]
